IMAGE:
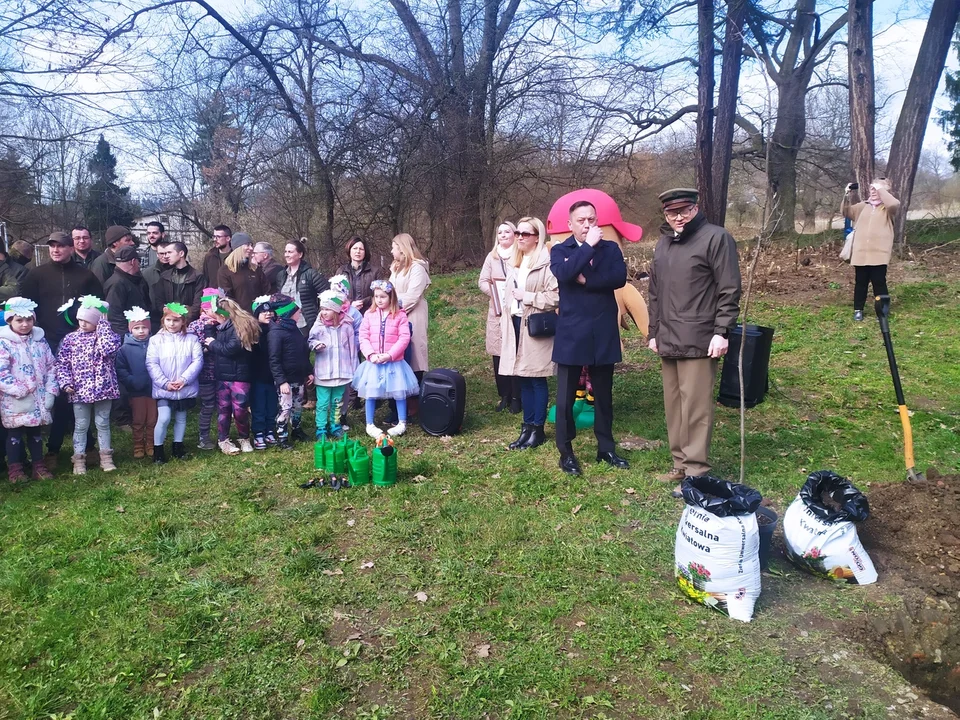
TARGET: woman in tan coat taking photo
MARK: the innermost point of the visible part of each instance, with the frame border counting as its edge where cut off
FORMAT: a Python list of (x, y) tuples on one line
[(530, 288), (872, 240)]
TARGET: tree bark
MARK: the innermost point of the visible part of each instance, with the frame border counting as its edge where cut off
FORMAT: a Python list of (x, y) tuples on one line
[(705, 90), (862, 95), (727, 107), (908, 137)]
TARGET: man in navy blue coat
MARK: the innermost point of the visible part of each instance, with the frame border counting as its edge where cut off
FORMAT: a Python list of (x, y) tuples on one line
[(588, 270)]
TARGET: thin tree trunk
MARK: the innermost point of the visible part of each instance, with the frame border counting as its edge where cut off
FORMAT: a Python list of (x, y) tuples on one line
[(862, 95), (908, 138), (705, 89), (727, 107)]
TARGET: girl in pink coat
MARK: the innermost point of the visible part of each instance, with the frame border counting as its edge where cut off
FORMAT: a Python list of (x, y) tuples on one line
[(384, 336)]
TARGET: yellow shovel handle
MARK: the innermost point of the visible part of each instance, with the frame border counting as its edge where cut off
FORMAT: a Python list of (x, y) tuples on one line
[(907, 436)]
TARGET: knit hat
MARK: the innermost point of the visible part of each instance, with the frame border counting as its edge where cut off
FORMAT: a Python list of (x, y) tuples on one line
[(91, 309), (332, 300), (284, 306), (136, 315), (239, 240), (19, 307), (210, 301), (261, 304), (115, 233), (341, 284)]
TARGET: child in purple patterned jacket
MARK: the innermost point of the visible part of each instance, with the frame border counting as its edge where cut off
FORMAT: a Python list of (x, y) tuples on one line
[(86, 372)]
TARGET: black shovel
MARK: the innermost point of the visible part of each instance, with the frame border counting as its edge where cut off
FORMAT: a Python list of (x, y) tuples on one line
[(882, 306)]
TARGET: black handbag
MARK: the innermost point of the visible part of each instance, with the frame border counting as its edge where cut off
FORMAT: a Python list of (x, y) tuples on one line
[(542, 324)]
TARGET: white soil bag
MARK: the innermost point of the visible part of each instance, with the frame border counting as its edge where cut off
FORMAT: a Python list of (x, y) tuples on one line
[(716, 560), (820, 533)]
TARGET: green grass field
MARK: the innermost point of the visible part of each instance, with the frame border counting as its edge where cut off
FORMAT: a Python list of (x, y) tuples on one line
[(484, 584)]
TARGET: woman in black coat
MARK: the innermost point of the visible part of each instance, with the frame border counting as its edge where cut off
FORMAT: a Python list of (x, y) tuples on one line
[(302, 283), (361, 273)]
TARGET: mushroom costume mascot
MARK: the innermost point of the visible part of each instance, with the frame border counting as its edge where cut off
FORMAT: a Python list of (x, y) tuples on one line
[(629, 300)]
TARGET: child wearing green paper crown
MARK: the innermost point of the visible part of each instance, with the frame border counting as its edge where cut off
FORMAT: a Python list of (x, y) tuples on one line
[(86, 373), (335, 346)]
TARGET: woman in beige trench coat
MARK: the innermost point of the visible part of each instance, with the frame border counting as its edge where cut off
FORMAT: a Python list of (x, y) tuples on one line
[(872, 240), (410, 276), (530, 288), (495, 271)]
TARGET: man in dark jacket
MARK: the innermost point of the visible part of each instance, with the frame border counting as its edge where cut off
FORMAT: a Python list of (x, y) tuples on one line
[(263, 257), (83, 251), (50, 285), (125, 288), (179, 282), (694, 301), (588, 270), (213, 260), (116, 237)]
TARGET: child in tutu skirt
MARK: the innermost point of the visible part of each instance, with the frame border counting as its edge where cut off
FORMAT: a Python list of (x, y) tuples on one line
[(384, 336)]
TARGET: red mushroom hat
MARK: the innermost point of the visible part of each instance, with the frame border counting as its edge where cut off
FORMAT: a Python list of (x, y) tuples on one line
[(608, 213)]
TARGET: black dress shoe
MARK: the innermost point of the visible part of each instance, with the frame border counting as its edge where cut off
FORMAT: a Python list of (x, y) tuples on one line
[(504, 403), (569, 464), (515, 406), (521, 441), (611, 458)]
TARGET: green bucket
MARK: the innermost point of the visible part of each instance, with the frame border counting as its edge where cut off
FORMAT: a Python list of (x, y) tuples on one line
[(384, 464), (358, 465)]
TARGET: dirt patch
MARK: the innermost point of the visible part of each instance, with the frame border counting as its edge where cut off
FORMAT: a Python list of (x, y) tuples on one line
[(913, 537)]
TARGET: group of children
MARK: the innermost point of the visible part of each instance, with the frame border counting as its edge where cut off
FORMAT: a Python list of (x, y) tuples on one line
[(253, 366)]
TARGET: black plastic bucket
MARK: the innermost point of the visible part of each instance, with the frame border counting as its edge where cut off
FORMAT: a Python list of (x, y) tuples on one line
[(766, 527), (756, 366)]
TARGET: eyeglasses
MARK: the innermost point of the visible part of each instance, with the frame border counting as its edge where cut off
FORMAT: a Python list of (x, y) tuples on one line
[(525, 234), (681, 213)]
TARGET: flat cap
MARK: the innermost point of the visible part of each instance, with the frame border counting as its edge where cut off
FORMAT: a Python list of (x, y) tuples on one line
[(115, 233), (127, 253), (60, 238), (678, 197)]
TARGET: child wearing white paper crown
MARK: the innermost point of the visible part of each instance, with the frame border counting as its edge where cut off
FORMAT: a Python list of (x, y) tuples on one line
[(333, 340), (384, 336), (174, 361), (28, 386), (86, 372), (341, 284), (133, 376)]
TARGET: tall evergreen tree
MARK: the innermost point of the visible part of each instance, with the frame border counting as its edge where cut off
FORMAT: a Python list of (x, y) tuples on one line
[(949, 120), (106, 203)]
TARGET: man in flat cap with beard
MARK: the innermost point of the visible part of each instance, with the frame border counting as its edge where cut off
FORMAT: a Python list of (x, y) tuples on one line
[(694, 302)]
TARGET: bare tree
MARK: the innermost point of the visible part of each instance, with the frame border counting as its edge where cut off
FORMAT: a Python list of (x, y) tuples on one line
[(797, 46), (863, 107), (918, 102)]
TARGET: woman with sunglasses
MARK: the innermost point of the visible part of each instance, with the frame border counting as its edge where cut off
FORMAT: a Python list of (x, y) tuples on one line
[(530, 288), (492, 278)]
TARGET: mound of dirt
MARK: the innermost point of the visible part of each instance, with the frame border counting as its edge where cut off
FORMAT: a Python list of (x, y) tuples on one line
[(913, 537)]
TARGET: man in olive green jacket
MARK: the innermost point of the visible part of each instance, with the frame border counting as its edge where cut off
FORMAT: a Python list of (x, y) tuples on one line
[(694, 301)]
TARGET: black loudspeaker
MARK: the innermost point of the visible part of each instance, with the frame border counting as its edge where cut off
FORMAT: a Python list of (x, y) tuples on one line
[(443, 396), (756, 366)]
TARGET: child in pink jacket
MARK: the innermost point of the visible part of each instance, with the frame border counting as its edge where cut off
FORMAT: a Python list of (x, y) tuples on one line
[(384, 336)]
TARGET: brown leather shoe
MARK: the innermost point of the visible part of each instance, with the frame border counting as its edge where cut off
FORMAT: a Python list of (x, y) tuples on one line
[(675, 475)]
